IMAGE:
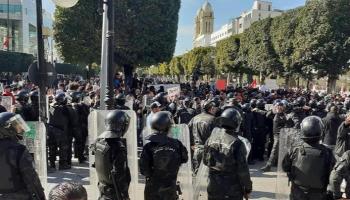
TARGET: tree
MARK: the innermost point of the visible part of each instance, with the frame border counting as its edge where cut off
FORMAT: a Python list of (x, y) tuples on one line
[(227, 53), (146, 31), (77, 33), (176, 68), (283, 35), (323, 39), (257, 50)]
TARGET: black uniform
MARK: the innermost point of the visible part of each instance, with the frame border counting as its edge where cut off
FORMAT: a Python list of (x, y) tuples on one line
[(59, 135), (340, 172), (309, 164), (110, 152), (296, 117), (19, 180), (260, 131), (161, 159), (200, 127), (225, 155), (185, 115), (331, 124)]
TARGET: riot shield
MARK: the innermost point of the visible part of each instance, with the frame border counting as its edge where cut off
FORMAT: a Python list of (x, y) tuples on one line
[(35, 141), (130, 104), (289, 138), (7, 101), (184, 177), (200, 182), (96, 127)]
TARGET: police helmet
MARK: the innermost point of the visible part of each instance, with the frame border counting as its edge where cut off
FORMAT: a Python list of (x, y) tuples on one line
[(61, 98), (300, 101), (275, 102), (208, 105), (321, 105), (187, 102), (161, 98), (117, 121), (230, 95), (313, 103), (12, 125), (76, 97), (120, 99), (161, 121), (22, 96), (230, 119), (311, 128), (246, 107), (253, 103), (260, 104), (34, 96)]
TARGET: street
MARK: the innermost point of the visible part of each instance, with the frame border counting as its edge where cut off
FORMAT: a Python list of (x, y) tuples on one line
[(264, 185)]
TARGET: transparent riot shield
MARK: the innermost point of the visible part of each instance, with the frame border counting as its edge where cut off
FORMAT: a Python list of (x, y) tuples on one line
[(35, 141), (130, 104), (7, 101), (96, 127), (184, 177), (200, 182), (289, 138)]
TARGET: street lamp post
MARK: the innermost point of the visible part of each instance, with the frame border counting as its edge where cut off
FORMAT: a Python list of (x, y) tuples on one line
[(42, 65)]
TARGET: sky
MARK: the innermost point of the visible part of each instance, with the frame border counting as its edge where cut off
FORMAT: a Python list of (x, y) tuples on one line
[(224, 10)]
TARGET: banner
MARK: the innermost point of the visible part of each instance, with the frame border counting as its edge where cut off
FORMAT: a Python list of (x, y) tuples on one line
[(221, 84), (173, 93)]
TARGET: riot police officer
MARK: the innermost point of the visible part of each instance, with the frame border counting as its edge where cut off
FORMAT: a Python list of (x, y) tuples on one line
[(225, 155), (161, 159), (110, 152), (298, 113), (34, 100), (201, 127), (120, 102), (58, 133), (18, 177), (260, 130), (309, 164), (340, 172), (185, 113)]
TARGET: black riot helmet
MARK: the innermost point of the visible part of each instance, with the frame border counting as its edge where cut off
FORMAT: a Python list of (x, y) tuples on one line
[(76, 97), (253, 103), (313, 103), (161, 121), (161, 98), (34, 96), (22, 97), (300, 101), (120, 99), (311, 128), (187, 102), (260, 104), (321, 105), (246, 107), (230, 95), (117, 121), (61, 99), (230, 119), (12, 126)]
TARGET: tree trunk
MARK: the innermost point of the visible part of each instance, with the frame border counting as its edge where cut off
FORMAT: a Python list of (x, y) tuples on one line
[(331, 84), (240, 79), (307, 85), (128, 75), (262, 79), (249, 78), (287, 82)]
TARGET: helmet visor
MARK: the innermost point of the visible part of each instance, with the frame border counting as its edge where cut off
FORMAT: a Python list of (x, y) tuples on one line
[(19, 124)]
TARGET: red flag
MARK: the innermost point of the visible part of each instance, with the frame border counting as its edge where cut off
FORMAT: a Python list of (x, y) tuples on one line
[(253, 84), (6, 43)]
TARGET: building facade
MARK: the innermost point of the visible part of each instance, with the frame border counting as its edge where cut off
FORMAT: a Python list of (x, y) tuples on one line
[(18, 31), (260, 10)]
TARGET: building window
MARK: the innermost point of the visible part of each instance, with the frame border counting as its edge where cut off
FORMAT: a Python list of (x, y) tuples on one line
[(259, 6), (259, 16), (240, 25), (269, 8)]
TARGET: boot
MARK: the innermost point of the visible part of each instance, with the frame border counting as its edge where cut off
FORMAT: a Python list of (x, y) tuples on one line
[(64, 166)]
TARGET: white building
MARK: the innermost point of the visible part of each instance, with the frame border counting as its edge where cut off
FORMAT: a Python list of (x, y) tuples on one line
[(260, 10), (18, 26)]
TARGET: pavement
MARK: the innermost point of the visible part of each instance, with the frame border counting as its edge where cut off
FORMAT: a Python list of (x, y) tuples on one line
[(264, 184)]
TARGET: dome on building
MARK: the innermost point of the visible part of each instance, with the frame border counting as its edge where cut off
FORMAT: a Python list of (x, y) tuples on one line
[(207, 7), (199, 11)]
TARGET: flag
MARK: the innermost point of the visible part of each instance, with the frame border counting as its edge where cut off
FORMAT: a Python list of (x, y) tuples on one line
[(253, 84), (6, 43)]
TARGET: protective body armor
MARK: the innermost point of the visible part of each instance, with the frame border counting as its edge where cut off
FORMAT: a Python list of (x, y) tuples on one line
[(309, 168)]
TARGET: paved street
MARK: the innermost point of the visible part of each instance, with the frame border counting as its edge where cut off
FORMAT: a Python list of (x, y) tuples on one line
[(264, 184)]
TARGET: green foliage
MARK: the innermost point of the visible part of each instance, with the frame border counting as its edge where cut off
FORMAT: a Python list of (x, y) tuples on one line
[(257, 50), (199, 58), (146, 31), (227, 55), (15, 62), (77, 33), (175, 66)]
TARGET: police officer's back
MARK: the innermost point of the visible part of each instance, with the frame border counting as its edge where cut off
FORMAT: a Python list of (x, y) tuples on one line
[(309, 165), (111, 158), (18, 181), (340, 172), (161, 159), (225, 155)]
